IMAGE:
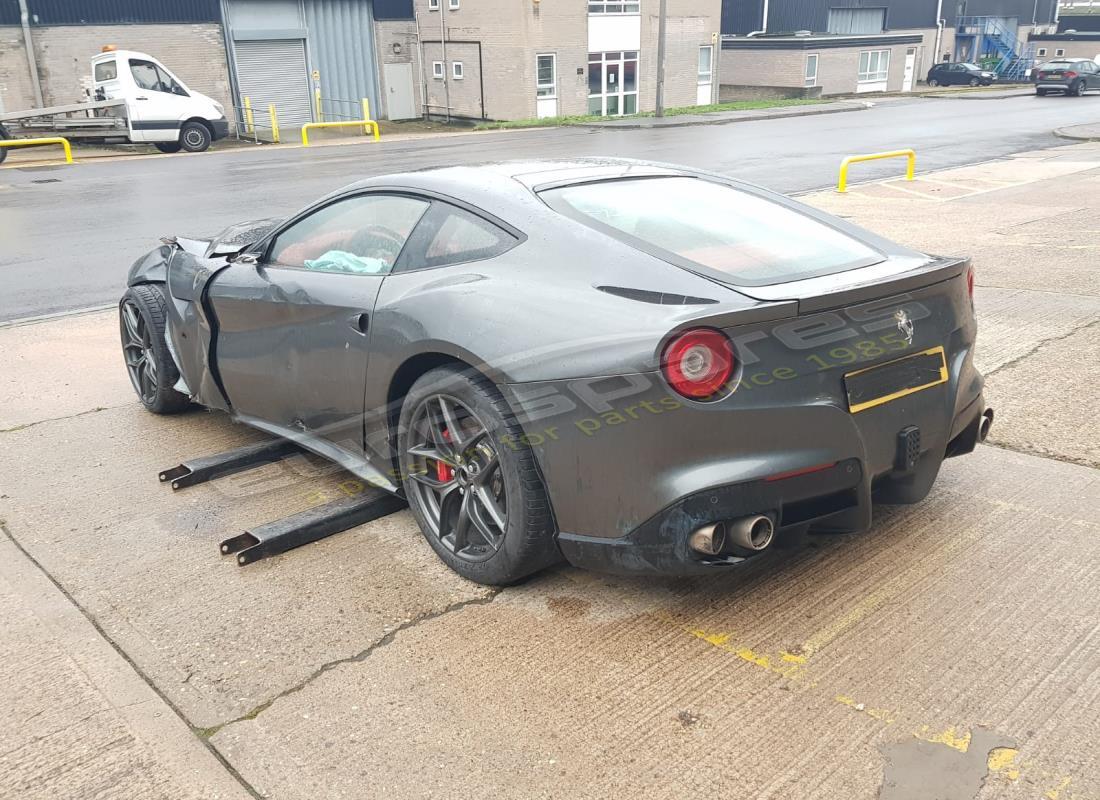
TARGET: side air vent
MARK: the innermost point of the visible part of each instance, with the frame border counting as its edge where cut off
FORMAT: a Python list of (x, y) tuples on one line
[(657, 298)]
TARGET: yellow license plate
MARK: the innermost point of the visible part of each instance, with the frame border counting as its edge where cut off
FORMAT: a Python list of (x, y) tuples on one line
[(873, 386)]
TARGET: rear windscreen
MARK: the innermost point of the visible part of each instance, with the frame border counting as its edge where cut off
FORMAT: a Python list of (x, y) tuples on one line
[(752, 240)]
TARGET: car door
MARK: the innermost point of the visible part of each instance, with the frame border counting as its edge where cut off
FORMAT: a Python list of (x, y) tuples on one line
[(295, 326), (159, 103)]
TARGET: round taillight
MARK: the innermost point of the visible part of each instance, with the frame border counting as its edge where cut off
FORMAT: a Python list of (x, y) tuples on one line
[(698, 363)]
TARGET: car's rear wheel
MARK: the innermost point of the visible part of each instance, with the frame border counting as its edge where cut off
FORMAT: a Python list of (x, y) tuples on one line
[(168, 147), (471, 480), (143, 315), (933, 82), (194, 137), (1079, 88)]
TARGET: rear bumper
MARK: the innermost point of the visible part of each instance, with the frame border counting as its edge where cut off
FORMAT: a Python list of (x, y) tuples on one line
[(1056, 87), (836, 499)]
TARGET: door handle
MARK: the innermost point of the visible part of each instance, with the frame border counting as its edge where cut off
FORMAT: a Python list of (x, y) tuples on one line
[(360, 323), (141, 98)]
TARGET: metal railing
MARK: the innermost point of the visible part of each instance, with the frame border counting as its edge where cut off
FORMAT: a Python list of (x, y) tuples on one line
[(255, 124), (40, 142), (842, 181)]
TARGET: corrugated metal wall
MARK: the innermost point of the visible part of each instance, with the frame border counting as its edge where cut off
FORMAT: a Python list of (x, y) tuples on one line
[(741, 16), (111, 12), (341, 47)]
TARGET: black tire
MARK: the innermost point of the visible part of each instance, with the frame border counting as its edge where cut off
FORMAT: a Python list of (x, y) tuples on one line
[(1041, 92), (975, 82), (168, 147), (142, 317), (194, 137), (933, 82), (526, 544), (3, 150), (1078, 89)]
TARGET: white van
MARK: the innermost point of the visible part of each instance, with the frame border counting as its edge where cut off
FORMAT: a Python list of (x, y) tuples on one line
[(160, 107)]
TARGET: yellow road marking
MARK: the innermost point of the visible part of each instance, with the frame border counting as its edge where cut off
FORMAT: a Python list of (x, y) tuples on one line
[(1003, 760), (950, 737)]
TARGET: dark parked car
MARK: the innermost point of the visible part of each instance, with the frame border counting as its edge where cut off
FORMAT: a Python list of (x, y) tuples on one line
[(960, 74), (1072, 76), (639, 367)]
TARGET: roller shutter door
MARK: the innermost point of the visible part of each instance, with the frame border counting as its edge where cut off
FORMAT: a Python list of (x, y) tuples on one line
[(857, 20), (274, 71)]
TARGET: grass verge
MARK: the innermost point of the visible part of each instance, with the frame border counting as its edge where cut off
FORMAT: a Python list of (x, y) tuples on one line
[(739, 105)]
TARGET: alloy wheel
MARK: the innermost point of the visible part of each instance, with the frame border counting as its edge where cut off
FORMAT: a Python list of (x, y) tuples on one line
[(455, 475), (137, 349)]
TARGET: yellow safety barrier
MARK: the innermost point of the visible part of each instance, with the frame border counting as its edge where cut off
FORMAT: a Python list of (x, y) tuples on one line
[(49, 140), (320, 107), (842, 182), (366, 114), (368, 126), (274, 123), (249, 122)]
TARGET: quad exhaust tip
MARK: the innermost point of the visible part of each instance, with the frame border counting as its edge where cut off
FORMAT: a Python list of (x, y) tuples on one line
[(985, 424), (750, 533)]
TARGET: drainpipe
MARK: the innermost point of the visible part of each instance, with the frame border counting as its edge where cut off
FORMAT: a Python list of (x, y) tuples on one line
[(939, 32), (424, 112), (443, 45), (764, 22), (25, 21)]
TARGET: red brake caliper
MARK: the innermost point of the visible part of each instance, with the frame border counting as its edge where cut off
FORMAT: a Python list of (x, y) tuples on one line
[(444, 473)]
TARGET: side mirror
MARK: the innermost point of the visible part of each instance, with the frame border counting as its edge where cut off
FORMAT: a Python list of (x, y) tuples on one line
[(246, 258)]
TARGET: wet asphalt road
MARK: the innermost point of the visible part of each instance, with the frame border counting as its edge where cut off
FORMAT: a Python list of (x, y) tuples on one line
[(67, 244)]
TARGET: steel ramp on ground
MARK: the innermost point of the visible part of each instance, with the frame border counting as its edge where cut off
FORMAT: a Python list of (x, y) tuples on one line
[(200, 470), (276, 537)]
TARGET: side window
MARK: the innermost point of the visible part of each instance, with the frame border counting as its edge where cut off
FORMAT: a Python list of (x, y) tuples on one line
[(169, 84), (145, 75), (106, 71), (451, 235), (362, 235)]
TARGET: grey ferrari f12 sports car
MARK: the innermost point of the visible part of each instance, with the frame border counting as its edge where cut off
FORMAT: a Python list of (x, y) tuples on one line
[(639, 367)]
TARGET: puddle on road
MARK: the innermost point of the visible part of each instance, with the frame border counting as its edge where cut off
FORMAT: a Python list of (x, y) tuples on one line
[(925, 770)]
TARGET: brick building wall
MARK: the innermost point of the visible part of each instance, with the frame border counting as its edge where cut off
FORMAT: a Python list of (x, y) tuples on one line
[(387, 33), (512, 33), (15, 78), (194, 52)]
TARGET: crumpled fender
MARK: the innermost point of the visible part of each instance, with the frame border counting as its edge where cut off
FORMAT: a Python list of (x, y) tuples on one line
[(192, 330)]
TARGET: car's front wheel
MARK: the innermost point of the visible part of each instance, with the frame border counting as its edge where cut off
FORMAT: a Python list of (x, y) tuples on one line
[(471, 480), (143, 315), (974, 82), (194, 137)]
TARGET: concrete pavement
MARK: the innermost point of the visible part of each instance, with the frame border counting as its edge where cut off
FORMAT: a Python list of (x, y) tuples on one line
[(951, 652)]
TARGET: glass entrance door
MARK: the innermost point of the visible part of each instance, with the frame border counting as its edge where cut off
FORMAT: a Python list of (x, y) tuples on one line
[(613, 83)]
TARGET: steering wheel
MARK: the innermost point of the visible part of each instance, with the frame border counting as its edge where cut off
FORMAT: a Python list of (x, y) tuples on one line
[(377, 241)]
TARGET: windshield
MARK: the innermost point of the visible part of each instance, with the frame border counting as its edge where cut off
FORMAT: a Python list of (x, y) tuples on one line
[(752, 240)]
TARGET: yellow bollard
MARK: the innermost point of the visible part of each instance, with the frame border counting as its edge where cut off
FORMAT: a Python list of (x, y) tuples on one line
[(320, 109), (274, 123), (842, 181), (36, 142), (249, 122), (366, 115)]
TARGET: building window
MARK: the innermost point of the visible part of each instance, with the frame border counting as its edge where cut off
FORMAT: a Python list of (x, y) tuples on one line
[(433, 5), (706, 58), (1042, 52), (437, 70), (1059, 52), (613, 83), (456, 70), (546, 75), (874, 66), (610, 7), (811, 70), (451, 4)]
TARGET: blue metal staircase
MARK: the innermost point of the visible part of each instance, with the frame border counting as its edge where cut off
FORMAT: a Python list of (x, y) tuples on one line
[(993, 40)]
